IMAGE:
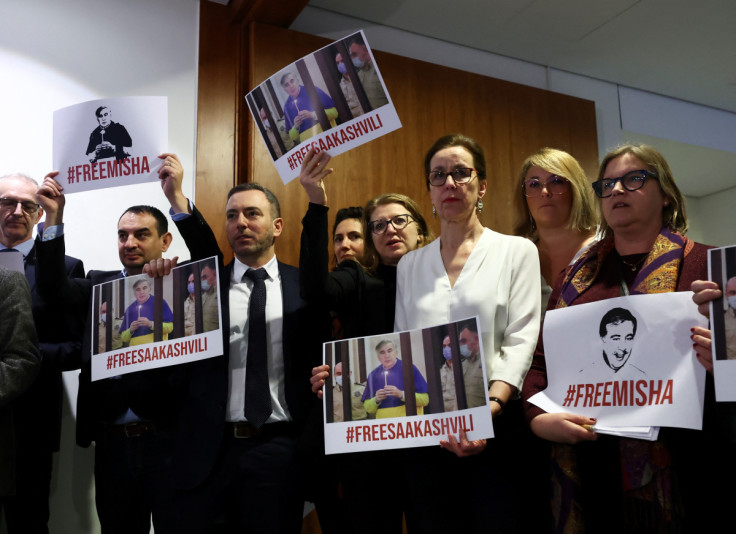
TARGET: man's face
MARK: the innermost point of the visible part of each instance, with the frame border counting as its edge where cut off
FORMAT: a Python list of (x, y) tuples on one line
[(291, 86), (446, 342), (387, 355), (142, 292), (105, 117), (360, 51), (139, 242), (103, 309), (731, 287), (338, 370), (209, 276), (249, 226), (16, 225), (617, 344), (470, 339)]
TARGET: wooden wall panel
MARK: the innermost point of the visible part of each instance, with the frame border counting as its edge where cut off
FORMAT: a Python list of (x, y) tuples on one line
[(509, 120)]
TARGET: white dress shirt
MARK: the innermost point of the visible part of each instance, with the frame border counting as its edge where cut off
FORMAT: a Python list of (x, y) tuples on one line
[(239, 323)]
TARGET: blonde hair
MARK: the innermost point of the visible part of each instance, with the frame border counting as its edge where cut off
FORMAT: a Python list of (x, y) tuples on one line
[(673, 214), (371, 259), (583, 214)]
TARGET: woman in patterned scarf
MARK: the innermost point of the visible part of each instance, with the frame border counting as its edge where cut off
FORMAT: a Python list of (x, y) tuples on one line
[(603, 483)]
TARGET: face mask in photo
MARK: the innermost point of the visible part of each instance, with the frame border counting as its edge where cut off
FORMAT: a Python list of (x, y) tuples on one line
[(190, 288), (205, 285), (447, 353), (342, 68), (357, 63), (732, 301), (465, 351), (338, 380)]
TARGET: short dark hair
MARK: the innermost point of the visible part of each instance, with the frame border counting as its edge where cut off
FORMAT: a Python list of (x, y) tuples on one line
[(283, 78), (616, 316), (356, 39), (461, 140), (162, 224), (351, 212), (470, 325), (255, 186), (98, 111), (141, 281)]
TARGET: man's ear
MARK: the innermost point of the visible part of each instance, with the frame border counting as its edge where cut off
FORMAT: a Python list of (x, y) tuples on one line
[(166, 241), (278, 226)]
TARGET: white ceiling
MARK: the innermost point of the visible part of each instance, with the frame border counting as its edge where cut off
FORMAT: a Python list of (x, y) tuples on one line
[(684, 49)]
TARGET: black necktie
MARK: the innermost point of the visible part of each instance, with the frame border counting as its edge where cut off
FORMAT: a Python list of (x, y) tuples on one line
[(257, 393)]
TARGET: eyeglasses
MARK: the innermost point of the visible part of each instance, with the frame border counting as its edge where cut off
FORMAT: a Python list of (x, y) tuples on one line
[(9, 204), (631, 181), (460, 175), (399, 222), (556, 185)]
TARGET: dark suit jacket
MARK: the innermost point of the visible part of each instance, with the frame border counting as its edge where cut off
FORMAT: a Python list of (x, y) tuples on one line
[(202, 423), (38, 411), (151, 394)]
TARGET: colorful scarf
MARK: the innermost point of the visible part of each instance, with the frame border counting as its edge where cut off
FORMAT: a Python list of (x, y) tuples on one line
[(649, 502)]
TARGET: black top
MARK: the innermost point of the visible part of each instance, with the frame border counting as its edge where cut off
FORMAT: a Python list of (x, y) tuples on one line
[(365, 302)]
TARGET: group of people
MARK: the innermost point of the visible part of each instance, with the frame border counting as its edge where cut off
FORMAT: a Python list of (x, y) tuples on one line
[(229, 443), (576, 243)]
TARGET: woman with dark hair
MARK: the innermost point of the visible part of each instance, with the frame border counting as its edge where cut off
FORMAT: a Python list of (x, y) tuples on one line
[(602, 482), (363, 296), (471, 271), (554, 208), (347, 234), (362, 293)]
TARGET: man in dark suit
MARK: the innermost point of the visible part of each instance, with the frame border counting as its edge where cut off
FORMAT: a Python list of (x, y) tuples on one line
[(131, 418), (38, 410), (235, 463)]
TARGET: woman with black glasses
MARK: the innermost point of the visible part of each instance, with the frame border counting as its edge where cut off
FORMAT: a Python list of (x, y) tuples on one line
[(471, 271), (554, 208), (363, 295), (606, 483)]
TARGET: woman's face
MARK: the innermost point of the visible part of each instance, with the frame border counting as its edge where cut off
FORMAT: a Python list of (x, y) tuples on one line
[(348, 240), (639, 210), (548, 210), (455, 201), (393, 244)]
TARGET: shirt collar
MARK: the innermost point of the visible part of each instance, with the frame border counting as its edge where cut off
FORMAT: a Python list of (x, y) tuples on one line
[(239, 268), (24, 247)]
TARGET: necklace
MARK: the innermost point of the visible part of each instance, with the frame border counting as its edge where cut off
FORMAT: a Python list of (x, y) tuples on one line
[(635, 265)]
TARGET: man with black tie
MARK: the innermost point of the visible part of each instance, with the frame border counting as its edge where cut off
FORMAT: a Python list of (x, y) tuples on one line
[(235, 464), (38, 411)]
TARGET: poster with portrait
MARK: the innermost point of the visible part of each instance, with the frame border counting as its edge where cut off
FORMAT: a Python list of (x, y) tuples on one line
[(627, 361), (333, 99), (110, 142), (722, 271), (144, 323), (406, 389)]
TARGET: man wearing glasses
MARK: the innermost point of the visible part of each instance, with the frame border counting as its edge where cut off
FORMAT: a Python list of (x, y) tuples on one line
[(38, 412)]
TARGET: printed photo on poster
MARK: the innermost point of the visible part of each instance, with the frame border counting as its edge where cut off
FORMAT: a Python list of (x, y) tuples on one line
[(722, 271), (333, 99), (143, 323), (406, 389), (628, 363), (109, 142)]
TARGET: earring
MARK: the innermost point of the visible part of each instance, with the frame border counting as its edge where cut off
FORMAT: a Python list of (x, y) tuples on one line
[(479, 205), (434, 211)]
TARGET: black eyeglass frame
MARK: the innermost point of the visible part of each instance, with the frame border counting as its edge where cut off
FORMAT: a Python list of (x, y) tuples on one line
[(391, 221), (456, 179), (641, 174)]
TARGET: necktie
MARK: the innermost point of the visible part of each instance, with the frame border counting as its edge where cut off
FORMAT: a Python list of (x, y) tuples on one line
[(257, 394)]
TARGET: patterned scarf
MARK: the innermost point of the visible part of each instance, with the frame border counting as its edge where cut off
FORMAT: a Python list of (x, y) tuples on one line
[(648, 502), (658, 274)]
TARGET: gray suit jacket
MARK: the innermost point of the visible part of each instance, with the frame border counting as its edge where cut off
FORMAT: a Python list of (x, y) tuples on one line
[(19, 363)]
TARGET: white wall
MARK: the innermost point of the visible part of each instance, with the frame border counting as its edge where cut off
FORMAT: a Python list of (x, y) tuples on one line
[(58, 53)]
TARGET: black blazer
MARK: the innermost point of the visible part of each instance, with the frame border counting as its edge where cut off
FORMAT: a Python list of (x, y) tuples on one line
[(151, 394), (202, 423)]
